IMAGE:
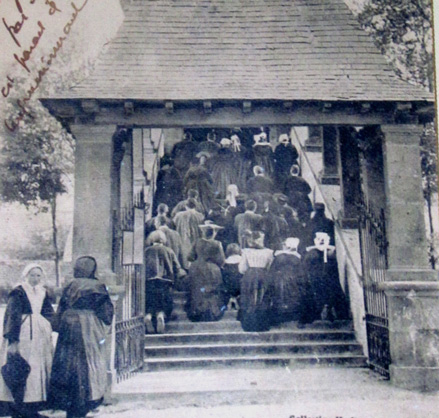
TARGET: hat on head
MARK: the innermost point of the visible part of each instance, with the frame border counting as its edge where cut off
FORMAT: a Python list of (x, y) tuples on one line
[(292, 243), (295, 170), (283, 139), (225, 142), (85, 267), (257, 170), (319, 206), (203, 154), (209, 224), (260, 138)]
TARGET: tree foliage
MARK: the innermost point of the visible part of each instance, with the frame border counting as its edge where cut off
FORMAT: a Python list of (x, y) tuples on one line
[(37, 157), (402, 29)]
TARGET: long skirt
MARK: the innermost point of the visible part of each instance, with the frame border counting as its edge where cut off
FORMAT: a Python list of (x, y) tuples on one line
[(35, 347), (255, 300), (79, 373), (287, 298), (206, 299)]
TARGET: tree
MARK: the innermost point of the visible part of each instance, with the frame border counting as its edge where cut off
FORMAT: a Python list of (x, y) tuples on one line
[(403, 30), (36, 158)]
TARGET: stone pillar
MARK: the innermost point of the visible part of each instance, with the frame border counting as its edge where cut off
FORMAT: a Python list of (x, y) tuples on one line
[(95, 196), (349, 170), (411, 287), (330, 174), (92, 223), (314, 143)]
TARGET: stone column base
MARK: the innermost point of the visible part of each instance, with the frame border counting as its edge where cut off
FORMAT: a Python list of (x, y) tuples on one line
[(347, 223), (413, 309), (330, 179), (415, 378)]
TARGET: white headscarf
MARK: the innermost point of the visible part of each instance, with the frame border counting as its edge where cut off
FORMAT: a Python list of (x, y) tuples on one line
[(30, 267), (283, 139), (232, 193), (236, 143), (38, 289), (321, 243)]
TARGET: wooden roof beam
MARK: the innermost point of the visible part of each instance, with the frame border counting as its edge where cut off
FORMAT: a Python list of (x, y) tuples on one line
[(90, 106), (128, 108), (207, 106), (326, 107), (169, 108)]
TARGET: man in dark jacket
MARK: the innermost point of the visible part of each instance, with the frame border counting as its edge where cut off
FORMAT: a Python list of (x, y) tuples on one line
[(161, 269)]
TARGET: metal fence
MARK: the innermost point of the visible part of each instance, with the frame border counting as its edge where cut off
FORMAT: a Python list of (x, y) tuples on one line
[(372, 228)]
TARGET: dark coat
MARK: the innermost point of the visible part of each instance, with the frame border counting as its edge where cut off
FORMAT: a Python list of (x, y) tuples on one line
[(169, 188), (323, 287), (161, 270), (206, 295), (297, 189), (247, 221), (287, 282), (284, 157), (173, 241), (320, 223), (198, 178), (275, 229), (263, 156), (223, 169), (260, 184), (183, 153), (161, 262), (79, 371)]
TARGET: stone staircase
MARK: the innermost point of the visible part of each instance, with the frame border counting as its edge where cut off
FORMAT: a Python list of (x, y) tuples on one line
[(223, 344)]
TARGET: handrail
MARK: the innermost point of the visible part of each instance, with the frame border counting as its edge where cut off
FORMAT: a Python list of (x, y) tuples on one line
[(339, 230)]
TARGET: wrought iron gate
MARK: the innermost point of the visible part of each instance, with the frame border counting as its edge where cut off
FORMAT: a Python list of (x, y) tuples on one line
[(373, 242), (130, 327)]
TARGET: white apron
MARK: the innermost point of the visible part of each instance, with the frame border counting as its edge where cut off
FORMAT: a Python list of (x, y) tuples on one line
[(35, 347)]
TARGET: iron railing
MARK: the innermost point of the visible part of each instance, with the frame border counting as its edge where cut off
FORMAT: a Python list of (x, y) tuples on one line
[(373, 242)]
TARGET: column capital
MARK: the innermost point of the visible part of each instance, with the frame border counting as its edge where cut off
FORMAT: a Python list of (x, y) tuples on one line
[(93, 133), (402, 134)]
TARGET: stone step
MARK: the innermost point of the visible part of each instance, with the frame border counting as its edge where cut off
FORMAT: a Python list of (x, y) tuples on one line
[(273, 336), (229, 324), (252, 349), (180, 315), (295, 360), (179, 326)]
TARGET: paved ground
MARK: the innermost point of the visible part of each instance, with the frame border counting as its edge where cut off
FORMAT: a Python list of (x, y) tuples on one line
[(271, 392)]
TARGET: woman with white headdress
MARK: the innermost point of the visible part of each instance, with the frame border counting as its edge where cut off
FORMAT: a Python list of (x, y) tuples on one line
[(285, 155), (27, 331), (255, 296), (263, 153), (287, 281), (325, 298)]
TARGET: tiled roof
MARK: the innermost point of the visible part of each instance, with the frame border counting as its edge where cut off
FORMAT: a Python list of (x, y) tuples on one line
[(243, 49)]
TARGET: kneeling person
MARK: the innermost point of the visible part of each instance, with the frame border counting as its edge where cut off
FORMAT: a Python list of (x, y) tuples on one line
[(161, 269)]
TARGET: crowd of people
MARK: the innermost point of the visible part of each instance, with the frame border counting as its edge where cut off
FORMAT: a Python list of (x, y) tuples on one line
[(235, 228), (73, 377)]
